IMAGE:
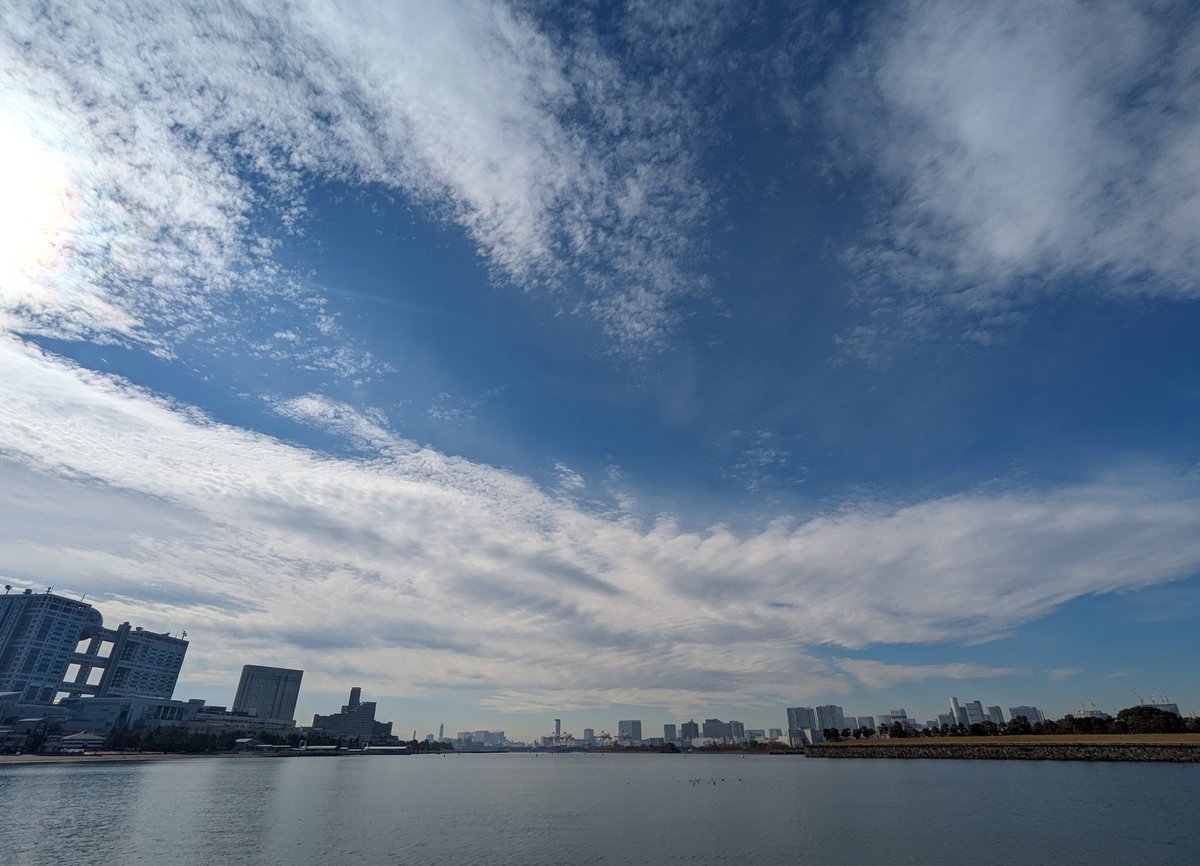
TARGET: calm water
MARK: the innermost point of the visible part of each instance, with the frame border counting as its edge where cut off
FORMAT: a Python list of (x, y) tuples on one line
[(526, 809)]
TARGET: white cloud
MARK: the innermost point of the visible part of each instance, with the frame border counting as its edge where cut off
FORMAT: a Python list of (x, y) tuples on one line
[(182, 130), (1022, 142), (879, 675), (408, 560)]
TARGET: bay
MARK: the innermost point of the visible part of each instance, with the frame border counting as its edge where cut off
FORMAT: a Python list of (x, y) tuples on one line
[(592, 808)]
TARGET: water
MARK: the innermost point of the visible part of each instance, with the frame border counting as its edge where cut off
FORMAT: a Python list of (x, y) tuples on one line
[(552, 809)]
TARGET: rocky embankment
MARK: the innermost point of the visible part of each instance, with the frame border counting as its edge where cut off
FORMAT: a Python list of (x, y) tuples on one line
[(1002, 751)]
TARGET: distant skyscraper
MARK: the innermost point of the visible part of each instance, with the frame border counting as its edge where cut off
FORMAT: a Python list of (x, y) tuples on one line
[(689, 730), (829, 716), (557, 728), (737, 731), (589, 736), (867, 722), (975, 714), (1032, 714), (629, 731), (799, 718), (357, 720), (441, 732), (41, 656), (669, 732), (270, 693), (959, 714), (715, 729), (996, 715)]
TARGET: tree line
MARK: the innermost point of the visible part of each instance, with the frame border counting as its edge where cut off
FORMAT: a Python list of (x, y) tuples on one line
[(1131, 720)]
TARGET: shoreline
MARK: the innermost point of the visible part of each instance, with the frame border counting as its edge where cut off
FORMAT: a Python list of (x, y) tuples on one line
[(1149, 748)]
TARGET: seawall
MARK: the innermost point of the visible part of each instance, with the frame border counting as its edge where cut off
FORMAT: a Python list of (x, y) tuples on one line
[(1073, 751)]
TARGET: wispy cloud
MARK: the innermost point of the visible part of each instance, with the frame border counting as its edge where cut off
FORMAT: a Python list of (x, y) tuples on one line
[(242, 538), (185, 140), (1023, 147), (879, 675)]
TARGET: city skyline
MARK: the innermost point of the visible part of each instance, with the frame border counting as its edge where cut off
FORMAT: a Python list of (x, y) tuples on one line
[(523, 361)]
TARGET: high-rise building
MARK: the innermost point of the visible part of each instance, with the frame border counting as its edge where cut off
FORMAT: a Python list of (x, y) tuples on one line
[(829, 716), (715, 729), (799, 718), (557, 729), (1032, 714), (996, 715), (629, 731), (52, 647), (689, 730), (269, 693), (975, 714), (959, 714), (669, 732), (867, 722), (737, 731), (357, 720), (589, 736)]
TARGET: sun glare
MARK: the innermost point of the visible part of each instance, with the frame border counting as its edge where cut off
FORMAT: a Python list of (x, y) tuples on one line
[(35, 205)]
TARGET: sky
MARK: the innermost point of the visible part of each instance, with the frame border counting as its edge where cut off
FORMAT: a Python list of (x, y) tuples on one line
[(520, 361)]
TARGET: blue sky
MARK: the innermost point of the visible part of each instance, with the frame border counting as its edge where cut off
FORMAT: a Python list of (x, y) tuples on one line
[(514, 361)]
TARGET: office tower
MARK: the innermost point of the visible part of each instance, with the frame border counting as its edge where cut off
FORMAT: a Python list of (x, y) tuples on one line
[(995, 714), (1032, 714), (43, 654), (557, 729), (960, 715), (867, 722), (669, 732), (829, 716), (737, 731), (799, 718), (975, 714), (689, 731), (715, 729), (589, 736), (441, 732), (357, 720), (270, 693), (629, 731), (945, 720), (775, 733)]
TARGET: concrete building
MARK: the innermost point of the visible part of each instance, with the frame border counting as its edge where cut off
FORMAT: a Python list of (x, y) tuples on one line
[(1032, 714), (101, 715), (8, 705), (670, 732), (800, 719), (589, 736), (689, 731), (829, 716), (957, 712), (975, 714), (737, 731), (867, 722), (52, 647), (774, 733), (268, 693), (995, 715), (716, 730), (629, 732), (355, 721)]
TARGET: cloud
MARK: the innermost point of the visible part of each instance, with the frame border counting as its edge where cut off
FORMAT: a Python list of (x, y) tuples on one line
[(1059, 675), (1022, 147), (186, 140), (879, 675), (178, 521)]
